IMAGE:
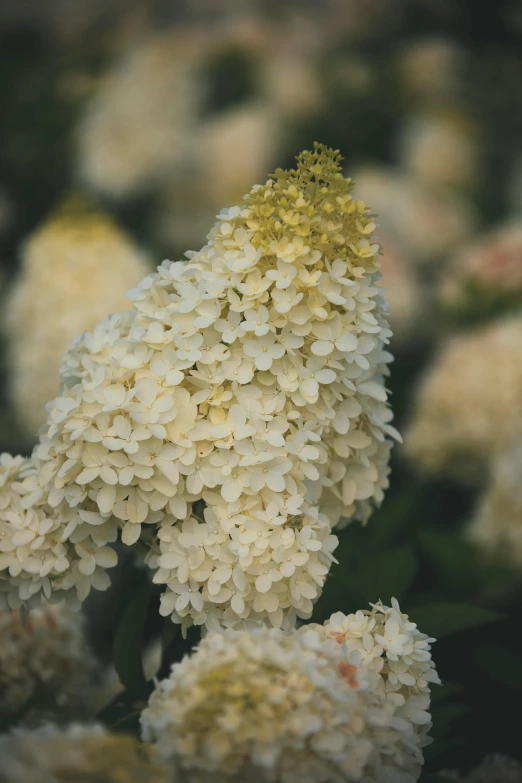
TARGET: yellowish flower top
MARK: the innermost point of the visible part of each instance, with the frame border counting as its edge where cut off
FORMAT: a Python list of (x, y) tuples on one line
[(314, 201), (74, 222)]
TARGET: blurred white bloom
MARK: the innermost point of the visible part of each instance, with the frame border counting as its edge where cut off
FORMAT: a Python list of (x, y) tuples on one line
[(235, 148), (439, 149), (282, 434), (147, 127), (497, 523), (431, 69), (403, 291), (76, 753), (46, 660), (137, 128), (267, 706), (152, 127), (489, 269), (75, 269), (456, 426), (429, 223)]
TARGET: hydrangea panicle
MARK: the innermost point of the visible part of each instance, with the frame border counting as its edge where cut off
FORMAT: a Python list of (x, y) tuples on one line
[(46, 660), (251, 377), (455, 425), (263, 705), (76, 753), (76, 268)]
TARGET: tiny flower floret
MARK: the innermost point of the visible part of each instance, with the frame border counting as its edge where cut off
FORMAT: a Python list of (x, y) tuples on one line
[(231, 420)]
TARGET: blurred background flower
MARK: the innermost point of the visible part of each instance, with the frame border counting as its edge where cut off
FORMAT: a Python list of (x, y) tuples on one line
[(47, 671), (75, 270)]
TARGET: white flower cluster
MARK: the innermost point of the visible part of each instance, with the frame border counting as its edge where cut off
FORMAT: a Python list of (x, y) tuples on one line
[(76, 753), (456, 424), (76, 268), (51, 550), (489, 269), (252, 378), (439, 149), (266, 706), (392, 646), (497, 523), (46, 659)]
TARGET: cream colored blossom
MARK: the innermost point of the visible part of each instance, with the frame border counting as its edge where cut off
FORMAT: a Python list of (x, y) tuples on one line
[(469, 404), (48, 544), (75, 269), (76, 754), (431, 69), (262, 705), (400, 655), (282, 434), (497, 522), (45, 660), (439, 149), (137, 128)]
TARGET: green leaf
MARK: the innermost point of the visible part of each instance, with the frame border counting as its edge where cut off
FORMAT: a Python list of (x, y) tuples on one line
[(500, 663), (444, 715), (385, 574), (128, 640), (453, 559), (10, 719), (442, 618), (445, 691), (390, 520)]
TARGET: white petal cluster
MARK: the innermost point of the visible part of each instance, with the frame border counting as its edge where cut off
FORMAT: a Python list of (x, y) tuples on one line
[(469, 404), (393, 648), (46, 659), (262, 705), (49, 548), (76, 269), (497, 522), (76, 753), (250, 378)]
